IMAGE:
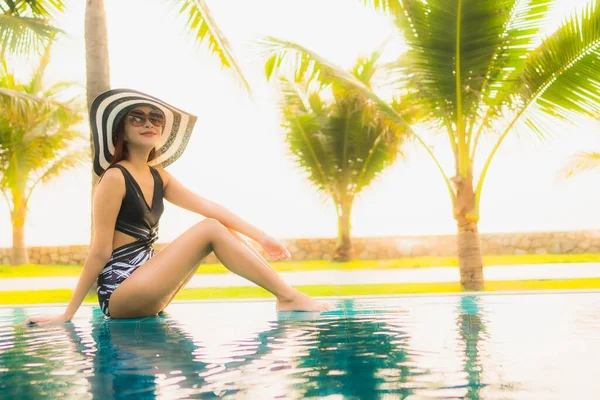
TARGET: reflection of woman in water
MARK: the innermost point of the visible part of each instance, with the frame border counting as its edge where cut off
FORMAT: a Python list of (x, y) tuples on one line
[(296, 356), (132, 357), (135, 136)]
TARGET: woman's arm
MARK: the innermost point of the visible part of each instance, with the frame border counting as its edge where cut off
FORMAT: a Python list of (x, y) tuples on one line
[(178, 194), (107, 202)]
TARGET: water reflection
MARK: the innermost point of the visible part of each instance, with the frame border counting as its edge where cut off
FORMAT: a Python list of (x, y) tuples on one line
[(473, 347), (471, 327), (26, 363), (358, 356), (159, 357), (140, 357), (299, 355)]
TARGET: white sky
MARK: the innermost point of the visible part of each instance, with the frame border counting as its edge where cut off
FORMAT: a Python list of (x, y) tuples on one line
[(237, 155)]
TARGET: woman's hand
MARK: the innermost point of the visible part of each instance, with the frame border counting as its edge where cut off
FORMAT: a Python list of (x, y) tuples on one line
[(274, 249), (46, 319)]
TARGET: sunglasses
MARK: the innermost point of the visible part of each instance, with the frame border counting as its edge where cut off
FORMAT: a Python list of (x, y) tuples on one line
[(138, 118)]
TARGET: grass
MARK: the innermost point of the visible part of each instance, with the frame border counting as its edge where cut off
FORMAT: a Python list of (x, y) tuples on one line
[(33, 270), (64, 295)]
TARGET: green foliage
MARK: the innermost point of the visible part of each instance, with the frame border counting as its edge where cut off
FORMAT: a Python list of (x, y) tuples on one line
[(341, 140), (37, 136), (25, 24), (203, 27), (476, 68)]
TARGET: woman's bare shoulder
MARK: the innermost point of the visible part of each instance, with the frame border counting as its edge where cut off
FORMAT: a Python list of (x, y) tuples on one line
[(112, 180), (164, 175)]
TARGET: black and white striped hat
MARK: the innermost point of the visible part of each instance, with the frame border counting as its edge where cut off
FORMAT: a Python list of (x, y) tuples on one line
[(108, 109)]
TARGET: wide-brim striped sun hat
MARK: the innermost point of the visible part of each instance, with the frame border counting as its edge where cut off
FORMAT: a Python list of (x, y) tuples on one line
[(111, 106)]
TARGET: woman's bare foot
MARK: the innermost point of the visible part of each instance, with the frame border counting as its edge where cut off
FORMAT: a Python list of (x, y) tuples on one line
[(302, 302)]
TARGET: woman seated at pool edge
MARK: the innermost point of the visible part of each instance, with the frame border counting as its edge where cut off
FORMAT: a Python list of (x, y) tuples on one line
[(135, 136)]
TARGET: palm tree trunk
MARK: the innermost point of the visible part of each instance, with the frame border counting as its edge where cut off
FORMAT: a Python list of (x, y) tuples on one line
[(96, 60), (344, 250), (18, 214), (470, 260), (96, 50)]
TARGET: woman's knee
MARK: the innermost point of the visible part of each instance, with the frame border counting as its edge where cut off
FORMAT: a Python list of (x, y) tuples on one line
[(212, 227)]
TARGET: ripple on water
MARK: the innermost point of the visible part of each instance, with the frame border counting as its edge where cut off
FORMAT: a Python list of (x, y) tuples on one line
[(517, 346)]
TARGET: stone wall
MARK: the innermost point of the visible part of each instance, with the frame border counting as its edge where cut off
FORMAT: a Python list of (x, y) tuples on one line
[(379, 247)]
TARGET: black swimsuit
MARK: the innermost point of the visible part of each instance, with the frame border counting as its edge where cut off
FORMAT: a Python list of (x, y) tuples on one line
[(138, 219)]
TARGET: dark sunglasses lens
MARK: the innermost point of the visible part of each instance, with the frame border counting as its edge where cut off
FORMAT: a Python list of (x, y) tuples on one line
[(157, 119), (137, 118)]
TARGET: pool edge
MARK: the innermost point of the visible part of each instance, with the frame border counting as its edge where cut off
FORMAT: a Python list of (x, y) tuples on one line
[(325, 298)]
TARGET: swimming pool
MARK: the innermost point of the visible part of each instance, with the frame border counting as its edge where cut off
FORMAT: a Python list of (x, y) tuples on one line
[(500, 346)]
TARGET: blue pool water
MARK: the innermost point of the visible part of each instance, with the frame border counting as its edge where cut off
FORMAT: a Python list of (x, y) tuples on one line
[(527, 346)]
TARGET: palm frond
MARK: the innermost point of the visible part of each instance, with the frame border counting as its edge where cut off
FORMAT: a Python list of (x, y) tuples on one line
[(201, 23), (562, 73), (463, 56), (36, 82), (305, 135), (20, 35), (376, 144), (342, 144), (390, 7), (310, 66), (366, 67), (10, 94), (352, 141), (520, 32), (503, 78), (306, 65), (429, 63), (582, 162), (16, 103), (560, 77), (19, 102), (19, 106), (58, 89), (66, 162), (35, 8)]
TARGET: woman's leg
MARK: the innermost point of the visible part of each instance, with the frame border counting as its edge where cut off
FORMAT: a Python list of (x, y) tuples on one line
[(150, 288), (193, 272), (250, 247)]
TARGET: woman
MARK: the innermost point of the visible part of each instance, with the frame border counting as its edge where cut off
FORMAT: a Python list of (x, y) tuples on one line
[(135, 136)]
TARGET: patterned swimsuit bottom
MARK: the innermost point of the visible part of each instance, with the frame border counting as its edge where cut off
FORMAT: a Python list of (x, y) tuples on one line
[(124, 261)]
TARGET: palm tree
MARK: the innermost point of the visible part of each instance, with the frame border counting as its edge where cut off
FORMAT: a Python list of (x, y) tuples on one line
[(342, 142), (200, 23), (24, 25), (36, 141), (476, 69)]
